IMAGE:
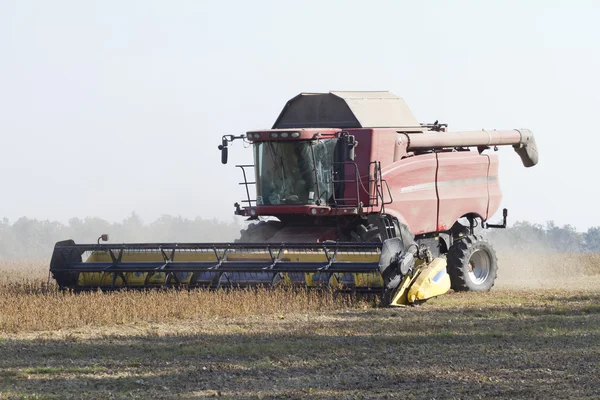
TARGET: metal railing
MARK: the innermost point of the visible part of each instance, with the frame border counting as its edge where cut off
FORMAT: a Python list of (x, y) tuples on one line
[(246, 183), (377, 189), (380, 187)]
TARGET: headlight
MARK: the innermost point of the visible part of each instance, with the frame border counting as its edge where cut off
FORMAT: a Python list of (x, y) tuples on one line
[(295, 134), (313, 211), (274, 135), (252, 212), (283, 135)]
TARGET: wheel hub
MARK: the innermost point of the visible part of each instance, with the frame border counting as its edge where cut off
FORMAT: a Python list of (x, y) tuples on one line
[(479, 266)]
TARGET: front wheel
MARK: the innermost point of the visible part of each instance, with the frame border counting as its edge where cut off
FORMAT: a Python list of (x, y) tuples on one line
[(472, 264), (259, 232)]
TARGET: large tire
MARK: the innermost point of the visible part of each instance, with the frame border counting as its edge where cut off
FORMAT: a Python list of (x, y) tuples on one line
[(259, 232), (472, 264), (390, 273), (369, 233)]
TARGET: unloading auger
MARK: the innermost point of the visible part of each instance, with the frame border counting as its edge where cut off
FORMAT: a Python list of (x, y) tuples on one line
[(351, 192)]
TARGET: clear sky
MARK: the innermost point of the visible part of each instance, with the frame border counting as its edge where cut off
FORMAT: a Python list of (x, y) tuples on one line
[(109, 107)]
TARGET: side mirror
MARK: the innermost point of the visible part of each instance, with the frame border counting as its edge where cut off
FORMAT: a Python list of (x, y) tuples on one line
[(352, 143), (224, 155), (224, 151)]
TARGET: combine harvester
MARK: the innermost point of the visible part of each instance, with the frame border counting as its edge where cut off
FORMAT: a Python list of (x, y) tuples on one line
[(360, 197)]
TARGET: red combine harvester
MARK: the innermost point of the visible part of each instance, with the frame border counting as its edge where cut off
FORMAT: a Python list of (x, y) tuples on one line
[(347, 190)]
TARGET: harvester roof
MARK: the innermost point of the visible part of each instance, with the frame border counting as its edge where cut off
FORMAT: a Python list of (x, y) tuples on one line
[(340, 109)]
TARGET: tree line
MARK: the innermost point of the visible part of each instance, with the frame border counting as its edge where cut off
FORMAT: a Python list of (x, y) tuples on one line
[(29, 238), (549, 237), (34, 239)]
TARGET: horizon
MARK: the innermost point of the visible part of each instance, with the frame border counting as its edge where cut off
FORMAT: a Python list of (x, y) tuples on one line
[(240, 222)]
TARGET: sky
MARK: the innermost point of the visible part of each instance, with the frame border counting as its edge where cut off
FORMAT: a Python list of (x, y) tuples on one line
[(109, 107)]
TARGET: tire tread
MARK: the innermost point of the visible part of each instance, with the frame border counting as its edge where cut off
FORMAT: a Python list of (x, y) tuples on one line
[(458, 257)]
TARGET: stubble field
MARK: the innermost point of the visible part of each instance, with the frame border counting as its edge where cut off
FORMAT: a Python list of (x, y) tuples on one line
[(535, 335)]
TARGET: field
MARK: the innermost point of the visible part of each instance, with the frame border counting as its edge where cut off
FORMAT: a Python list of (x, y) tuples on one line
[(536, 335)]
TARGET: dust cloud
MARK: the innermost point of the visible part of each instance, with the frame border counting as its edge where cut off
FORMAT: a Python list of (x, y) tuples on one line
[(539, 270), (534, 263)]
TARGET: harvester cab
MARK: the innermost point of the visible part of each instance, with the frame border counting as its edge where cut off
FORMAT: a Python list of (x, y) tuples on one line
[(302, 168), (347, 190)]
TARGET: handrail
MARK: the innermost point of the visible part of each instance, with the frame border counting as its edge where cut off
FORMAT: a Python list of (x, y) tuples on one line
[(246, 183)]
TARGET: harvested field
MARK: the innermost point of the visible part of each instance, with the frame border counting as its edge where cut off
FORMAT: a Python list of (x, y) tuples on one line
[(527, 338)]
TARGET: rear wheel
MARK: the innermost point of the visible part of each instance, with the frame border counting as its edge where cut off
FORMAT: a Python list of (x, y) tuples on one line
[(472, 264)]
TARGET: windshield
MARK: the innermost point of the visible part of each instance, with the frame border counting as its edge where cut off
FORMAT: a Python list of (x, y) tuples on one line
[(285, 172)]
